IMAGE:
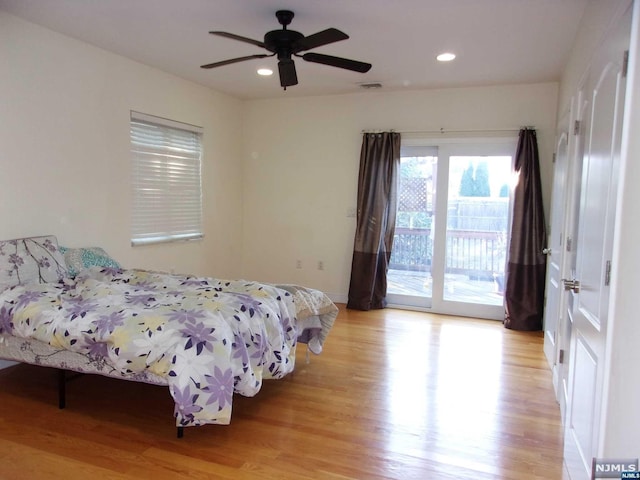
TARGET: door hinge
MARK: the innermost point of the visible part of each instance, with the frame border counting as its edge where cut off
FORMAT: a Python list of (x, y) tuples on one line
[(569, 242), (561, 356), (625, 63), (553, 160), (607, 273), (576, 127)]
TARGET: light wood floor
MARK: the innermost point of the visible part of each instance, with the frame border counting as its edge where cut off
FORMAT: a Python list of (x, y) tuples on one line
[(395, 395)]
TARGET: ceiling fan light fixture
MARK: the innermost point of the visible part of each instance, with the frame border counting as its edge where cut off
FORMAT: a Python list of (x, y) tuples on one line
[(446, 57), (265, 72)]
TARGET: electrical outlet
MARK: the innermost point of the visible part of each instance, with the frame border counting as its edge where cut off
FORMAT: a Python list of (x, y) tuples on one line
[(298, 264), (320, 265)]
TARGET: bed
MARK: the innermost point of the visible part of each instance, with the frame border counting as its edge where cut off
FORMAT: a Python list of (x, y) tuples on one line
[(205, 339)]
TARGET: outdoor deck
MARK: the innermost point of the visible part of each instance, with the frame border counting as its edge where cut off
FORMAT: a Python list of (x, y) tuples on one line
[(457, 287)]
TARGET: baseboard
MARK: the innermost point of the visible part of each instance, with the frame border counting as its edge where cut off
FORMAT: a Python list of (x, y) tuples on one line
[(338, 297), (6, 363)]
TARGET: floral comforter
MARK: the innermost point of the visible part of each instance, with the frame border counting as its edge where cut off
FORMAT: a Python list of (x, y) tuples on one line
[(209, 338)]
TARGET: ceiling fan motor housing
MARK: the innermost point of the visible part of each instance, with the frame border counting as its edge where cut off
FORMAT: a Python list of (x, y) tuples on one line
[(282, 42)]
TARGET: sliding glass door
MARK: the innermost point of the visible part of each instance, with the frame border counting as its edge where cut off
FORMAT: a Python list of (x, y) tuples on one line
[(452, 226), (410, 279)]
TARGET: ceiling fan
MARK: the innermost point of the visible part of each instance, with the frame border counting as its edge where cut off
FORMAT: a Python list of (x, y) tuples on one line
[(287, 43)]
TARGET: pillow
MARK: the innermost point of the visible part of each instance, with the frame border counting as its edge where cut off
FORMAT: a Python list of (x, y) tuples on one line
[(78, 259), (31, 260)]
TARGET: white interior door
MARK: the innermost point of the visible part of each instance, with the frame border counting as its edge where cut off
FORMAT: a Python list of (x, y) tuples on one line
[(589, 300), (562, 239), (553, 309), (572, 207)]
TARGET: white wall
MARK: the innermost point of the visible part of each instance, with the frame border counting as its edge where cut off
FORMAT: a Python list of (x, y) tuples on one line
[(301, 158), (64, 149)]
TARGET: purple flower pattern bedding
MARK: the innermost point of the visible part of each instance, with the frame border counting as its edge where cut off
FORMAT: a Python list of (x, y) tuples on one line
[(207, 337)]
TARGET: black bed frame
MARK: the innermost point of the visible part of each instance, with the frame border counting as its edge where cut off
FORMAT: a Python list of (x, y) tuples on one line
[(62, 394)]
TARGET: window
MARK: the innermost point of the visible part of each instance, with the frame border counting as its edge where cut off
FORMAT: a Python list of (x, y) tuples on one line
[(167, 190)]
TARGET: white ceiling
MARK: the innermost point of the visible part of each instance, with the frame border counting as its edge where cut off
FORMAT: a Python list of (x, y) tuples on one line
[(496, 41)]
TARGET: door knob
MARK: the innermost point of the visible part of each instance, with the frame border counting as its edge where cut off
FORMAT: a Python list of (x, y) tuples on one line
[(571, 285), (546, 251)]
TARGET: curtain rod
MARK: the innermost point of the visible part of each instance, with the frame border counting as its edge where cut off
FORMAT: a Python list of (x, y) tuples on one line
[(443, 131)]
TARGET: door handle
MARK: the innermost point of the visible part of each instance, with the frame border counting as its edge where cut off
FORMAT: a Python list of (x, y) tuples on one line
[(571, 285), (546, 251)]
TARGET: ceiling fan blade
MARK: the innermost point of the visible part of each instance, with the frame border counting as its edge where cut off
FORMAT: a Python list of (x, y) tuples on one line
[(337, 62), (234, 60), (325, 37), (233, 36), (287, 70)]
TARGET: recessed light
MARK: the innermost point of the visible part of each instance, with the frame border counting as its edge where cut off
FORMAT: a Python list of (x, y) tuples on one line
[(445, 57), (265, 72)]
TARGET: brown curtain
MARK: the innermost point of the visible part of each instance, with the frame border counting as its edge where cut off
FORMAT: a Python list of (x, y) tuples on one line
[(376, 220), (526, 265)]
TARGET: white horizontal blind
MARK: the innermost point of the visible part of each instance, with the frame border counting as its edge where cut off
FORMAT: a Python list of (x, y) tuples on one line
[(167, 188)]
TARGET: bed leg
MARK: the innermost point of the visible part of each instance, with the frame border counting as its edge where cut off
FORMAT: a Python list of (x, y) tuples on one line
[(62, 383), (180, 432)]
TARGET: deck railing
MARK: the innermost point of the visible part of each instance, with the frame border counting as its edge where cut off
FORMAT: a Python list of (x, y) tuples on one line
[(412, 249), (473, 253)]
